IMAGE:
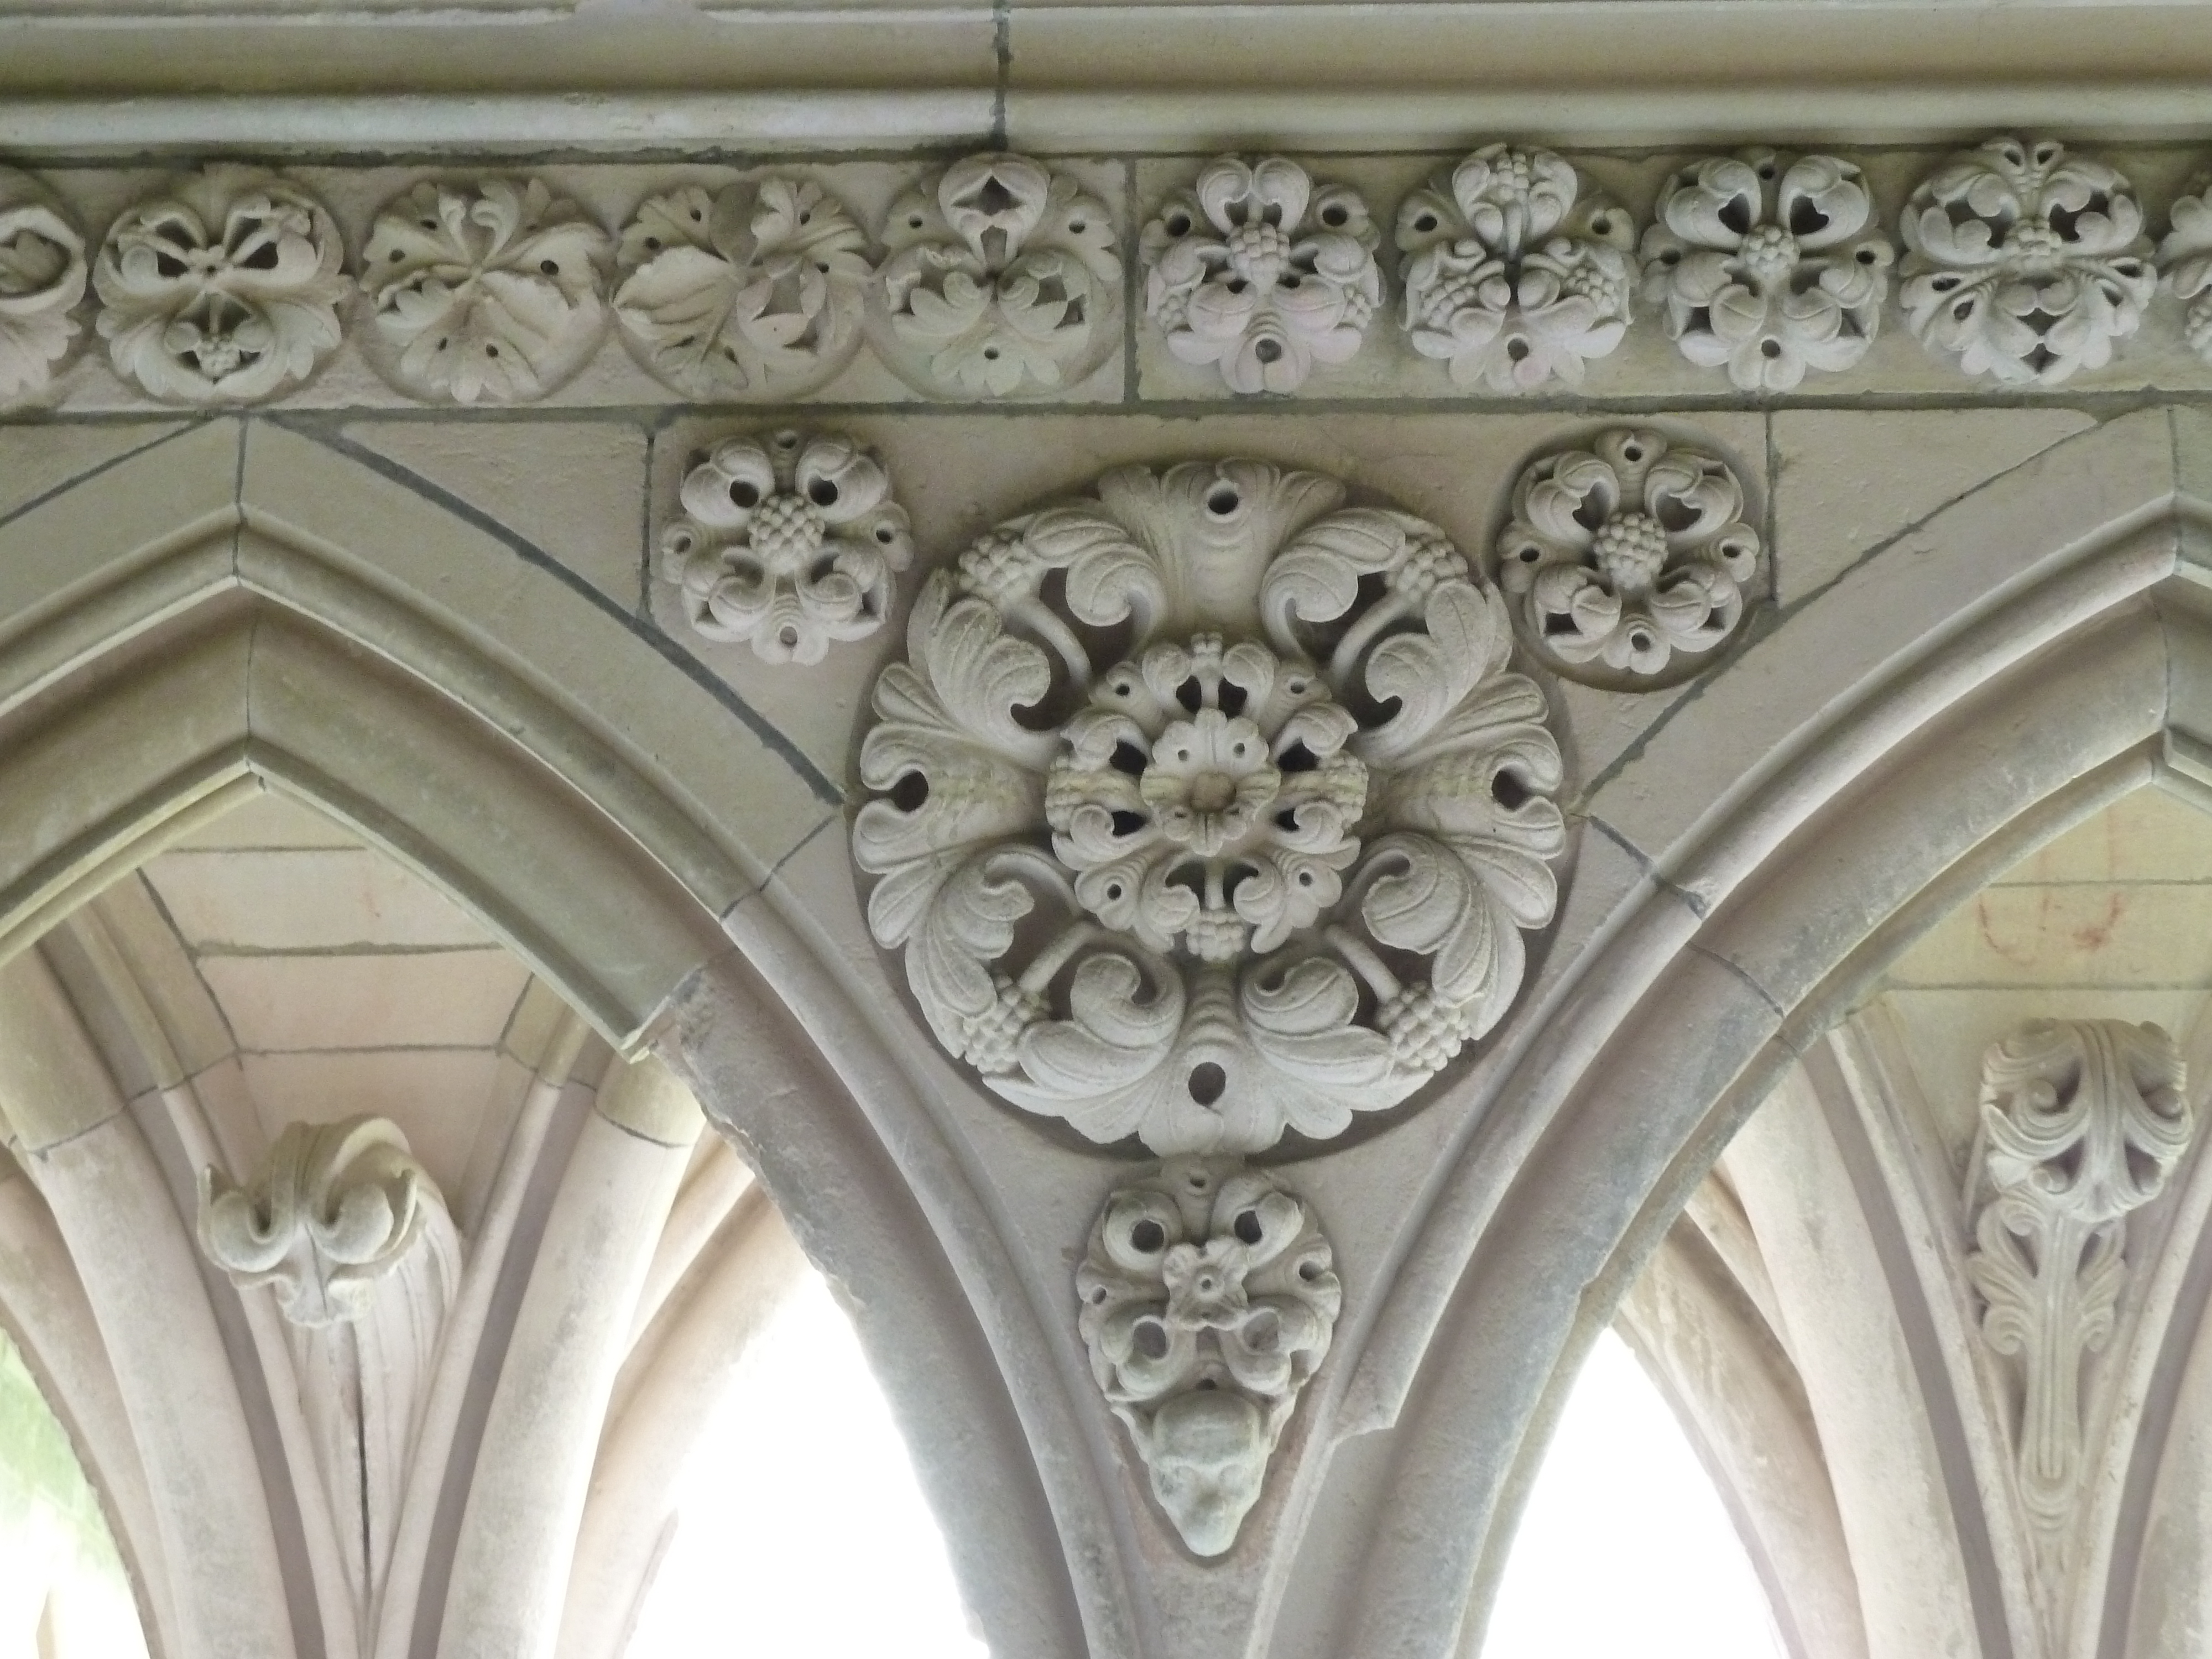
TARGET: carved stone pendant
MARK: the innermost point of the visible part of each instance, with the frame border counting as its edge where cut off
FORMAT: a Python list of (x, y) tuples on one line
[(1209, 1297), (1208, 808)]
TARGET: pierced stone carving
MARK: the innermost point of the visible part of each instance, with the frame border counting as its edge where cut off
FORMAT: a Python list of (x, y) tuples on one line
[(336, 1208), (224, 289), (2185, 257), (1255, 854), (1208, 1300), (2025, 262), (786, 543), (1768, 270), (1517, 272), (753, 291), (42, 277), (487, 293), (2081, 1121), (1001, 278), (1630, 561), (1254, 270)]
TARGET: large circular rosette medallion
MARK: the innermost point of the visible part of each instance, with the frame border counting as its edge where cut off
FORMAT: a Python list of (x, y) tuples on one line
[(1208, 808)]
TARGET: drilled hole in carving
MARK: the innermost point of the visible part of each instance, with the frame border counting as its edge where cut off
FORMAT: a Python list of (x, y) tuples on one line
[(823, 492), (1426, 221), (1516, 348), (1769, 350), (1269, 352), (262, 259), (549, 267), (1147, 1237), (1308, 1272), (744, 493), (1178, 224), (1223, 501), (1297, 758), (1737, 215), (1333, 215), (1151, 1338), (909, 792), (1207, 1081), (1247, 1226), (1508, 791), (1806, 219), (1128, 823)]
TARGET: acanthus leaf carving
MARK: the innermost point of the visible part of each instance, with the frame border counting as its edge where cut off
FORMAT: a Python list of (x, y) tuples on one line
[(787, 543), (755, 291), (1517, 272), (1208, 1300), (1768, 269), (2025, 263), (1260, 863), (43, 275), (1258, 270), (1631, 562), (489, 292), (1001, 278), (224, 288)]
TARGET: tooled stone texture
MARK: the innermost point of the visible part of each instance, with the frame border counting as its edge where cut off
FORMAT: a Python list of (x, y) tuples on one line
[(1256, 271), (1208, 1300), (1264, 867), (1630, 562), (42, 277), (787, 543)]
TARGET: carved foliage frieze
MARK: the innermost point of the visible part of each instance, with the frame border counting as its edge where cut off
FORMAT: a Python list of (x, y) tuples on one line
[(1258, 270), (42, 277), (1208, 1299), (1208, 808)]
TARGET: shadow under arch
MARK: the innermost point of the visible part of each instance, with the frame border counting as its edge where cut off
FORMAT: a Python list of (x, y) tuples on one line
[(240, 606), (1903, 781)]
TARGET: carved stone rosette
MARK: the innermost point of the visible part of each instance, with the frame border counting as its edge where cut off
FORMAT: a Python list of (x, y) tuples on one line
[(1630, 562), (755, 291), (224, 288), (2025, 263), (1001, 278), (1208, 1300), (483, 294), (1768, 270), (1256, 271), (42, 277), (1209, 808), (1517, 272), (2185, 259), (787, 543), (2081, 1121)]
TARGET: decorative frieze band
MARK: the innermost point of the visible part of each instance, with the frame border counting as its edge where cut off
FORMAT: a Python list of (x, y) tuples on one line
[(1513, 269)]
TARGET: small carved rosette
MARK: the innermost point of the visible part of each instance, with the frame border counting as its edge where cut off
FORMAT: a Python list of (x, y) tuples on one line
[(787, 543), (42, 277), (1001, 280), (1208, 1300), (1256, 271), (2025, 263), (1209, 808), (2184, 257), (1630, 562), (755, 291), (1768, 270), (483, 294), (1517, 272), (335, 1207), (223, 289)]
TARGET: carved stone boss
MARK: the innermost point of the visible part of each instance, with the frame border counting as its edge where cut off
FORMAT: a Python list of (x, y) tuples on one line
[(2081, 1121), (1207, 808)]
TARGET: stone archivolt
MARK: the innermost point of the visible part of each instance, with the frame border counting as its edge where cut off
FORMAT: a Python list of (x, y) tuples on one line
[(1209, 809)]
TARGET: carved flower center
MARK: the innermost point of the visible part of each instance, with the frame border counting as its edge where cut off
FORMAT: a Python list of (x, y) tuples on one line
[(1631, 551), (788, 530), (2034, 239), (1210, 780), (1258, 252), (1770, 253)]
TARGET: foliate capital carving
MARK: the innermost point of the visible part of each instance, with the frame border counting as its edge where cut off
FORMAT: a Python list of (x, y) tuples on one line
[(786, 542), (1768, 269), (1208, 1300), (224, 287), (1516, 271), (1258, 270), (42, 277), (2027, 263), (1001, 278), (753, 291), (1630, 562), (2081, 1122), (1208, 808), (333, 1209)]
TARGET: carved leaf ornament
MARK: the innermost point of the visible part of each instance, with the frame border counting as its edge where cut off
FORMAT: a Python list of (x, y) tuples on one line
[(1001, 278), (1256, 271), (2185, 257), (488, 294), (1767, 270), (1208, 808), (1629, 562), (1516, 271), (2027, 263), (1208, 1299), (42, 277), (755, 290), (786, 543), (222, 288)]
